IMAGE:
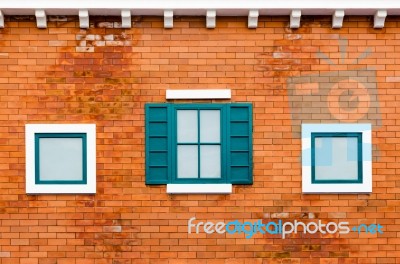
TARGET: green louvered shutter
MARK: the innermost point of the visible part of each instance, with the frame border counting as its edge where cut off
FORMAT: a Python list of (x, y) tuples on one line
[(240, 147), (157, 143)]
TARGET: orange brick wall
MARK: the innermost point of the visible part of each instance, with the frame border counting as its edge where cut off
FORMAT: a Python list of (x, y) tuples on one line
[(105, 75)]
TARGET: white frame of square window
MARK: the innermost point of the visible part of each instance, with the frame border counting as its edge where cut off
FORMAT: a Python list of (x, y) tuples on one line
[(308, 186), (32, 187)]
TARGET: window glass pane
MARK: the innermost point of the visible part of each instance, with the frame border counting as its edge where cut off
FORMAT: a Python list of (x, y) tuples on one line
[(210, 126), (187, 161), (210, 161), (336, 158), (60, 159), (187, 126)]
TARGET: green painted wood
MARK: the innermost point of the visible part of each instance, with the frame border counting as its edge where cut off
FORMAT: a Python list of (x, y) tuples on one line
[(157, 143)]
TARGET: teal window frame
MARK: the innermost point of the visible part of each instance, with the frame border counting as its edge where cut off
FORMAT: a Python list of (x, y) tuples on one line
[(359, 156), (38, 136), (222, 143)]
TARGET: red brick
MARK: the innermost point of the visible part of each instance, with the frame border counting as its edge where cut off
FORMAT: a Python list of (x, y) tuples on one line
[(106, 74)]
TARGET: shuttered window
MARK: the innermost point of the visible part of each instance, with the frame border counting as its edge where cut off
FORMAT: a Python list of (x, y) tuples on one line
[(199, 143)]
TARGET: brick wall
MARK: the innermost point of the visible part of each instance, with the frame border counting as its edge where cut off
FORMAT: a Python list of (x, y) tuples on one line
[(105, 75)]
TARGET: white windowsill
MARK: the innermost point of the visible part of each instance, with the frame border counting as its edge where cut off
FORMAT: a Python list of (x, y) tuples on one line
[(199, 188)]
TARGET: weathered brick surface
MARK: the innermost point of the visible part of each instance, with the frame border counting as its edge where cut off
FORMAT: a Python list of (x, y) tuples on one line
[(105, 75)]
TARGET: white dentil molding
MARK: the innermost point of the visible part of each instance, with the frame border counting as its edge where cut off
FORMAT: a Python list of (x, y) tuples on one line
[(376, 8)]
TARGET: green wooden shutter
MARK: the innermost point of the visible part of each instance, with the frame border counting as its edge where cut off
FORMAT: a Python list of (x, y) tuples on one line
[(158, 137), (240, 147)]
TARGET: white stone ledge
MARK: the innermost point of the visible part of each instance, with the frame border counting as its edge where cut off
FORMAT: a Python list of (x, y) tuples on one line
[(199, 188), (199, 94)]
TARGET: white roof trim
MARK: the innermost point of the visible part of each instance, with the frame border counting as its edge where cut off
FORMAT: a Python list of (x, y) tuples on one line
[(295, 17), (337, 19), (199, 94), (252, 20), (379, 18), (84, 18), (126, 19), (211, 18), (41, 19), (168, 18)]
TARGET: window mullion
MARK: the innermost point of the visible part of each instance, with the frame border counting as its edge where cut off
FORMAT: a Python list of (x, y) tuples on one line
[(198, 145)]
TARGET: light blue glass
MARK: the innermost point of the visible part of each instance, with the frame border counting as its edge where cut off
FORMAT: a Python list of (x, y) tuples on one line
[(336, 158), (60, 159)]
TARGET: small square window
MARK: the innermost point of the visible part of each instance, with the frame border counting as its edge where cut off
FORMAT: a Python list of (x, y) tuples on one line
[(336, 158), (60, 158)]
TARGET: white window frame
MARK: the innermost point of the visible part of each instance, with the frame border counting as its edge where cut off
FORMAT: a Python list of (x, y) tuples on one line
[(309, 187), (32, 187)]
